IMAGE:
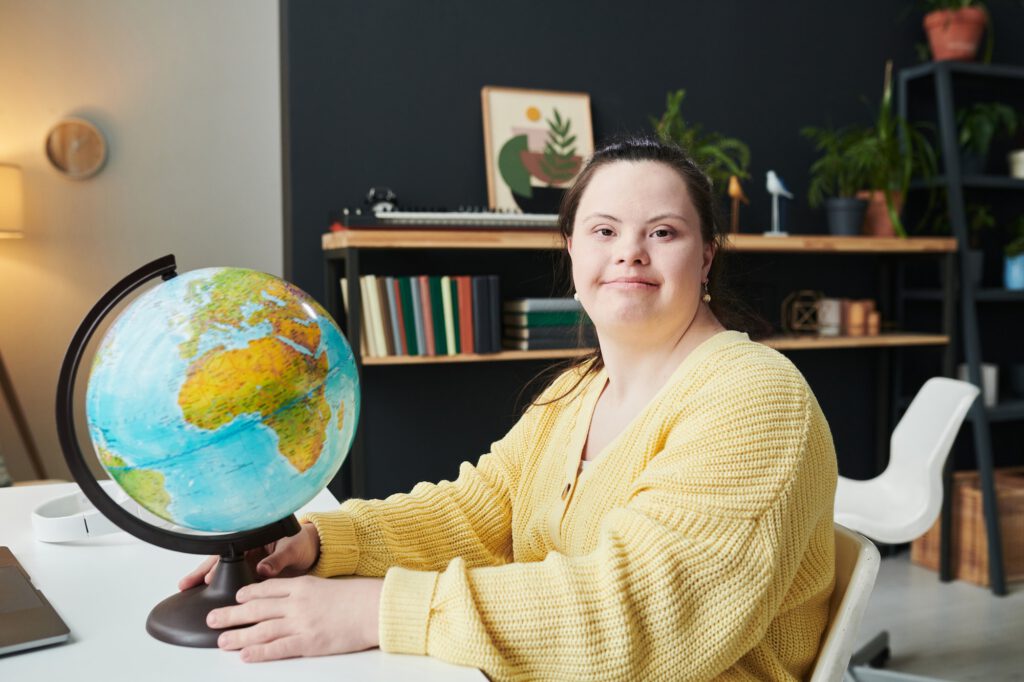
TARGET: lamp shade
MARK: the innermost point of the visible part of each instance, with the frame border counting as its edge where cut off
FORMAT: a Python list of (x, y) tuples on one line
[(11, 200)]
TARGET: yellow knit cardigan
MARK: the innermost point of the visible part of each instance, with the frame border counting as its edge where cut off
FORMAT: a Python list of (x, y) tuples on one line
[(699, 545)]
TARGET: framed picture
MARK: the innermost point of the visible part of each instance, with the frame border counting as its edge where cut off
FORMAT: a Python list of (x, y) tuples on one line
[(535, 143)]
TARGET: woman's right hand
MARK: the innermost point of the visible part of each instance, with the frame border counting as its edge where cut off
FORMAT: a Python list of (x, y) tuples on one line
[(289, 556)]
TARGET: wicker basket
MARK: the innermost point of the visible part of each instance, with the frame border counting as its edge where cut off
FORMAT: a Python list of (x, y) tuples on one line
[(969, 553)]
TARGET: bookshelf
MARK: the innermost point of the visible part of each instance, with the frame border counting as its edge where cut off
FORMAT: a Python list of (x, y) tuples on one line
[(342, 251)]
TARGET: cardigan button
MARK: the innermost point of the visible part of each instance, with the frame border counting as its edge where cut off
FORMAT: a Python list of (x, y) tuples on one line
[(565, 490)]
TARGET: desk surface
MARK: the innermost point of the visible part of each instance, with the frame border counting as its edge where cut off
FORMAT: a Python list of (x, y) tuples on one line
[(104, 587)]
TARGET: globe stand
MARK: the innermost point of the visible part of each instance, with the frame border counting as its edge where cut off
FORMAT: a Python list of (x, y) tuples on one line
[(181, 618)]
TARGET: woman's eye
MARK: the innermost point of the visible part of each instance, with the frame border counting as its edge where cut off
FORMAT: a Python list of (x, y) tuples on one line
[(662, 233), (604, 231)]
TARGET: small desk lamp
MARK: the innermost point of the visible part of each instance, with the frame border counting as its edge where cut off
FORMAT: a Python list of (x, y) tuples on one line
[(10, 228)]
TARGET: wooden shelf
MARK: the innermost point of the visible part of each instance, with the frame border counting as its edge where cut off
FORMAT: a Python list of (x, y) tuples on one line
[(524, 239), (776, 342)]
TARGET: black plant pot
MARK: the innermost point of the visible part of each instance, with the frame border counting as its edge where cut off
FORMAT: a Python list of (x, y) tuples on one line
[(972, 163), (544, 200), (845, 215)]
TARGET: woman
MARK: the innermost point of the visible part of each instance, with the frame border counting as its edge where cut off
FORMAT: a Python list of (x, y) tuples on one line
[(661, 511)]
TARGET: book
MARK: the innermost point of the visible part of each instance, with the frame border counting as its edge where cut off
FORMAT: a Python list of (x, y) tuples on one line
[(370, 318), (494, 291), (363, 346), (437, 314), (544, 319), (400, 317), (408, 313), (568, 333), (451, 340), (540, 305), (423, 282), (465, 293), (389, 291), (481, 315), (385, 315), (417, 329), (537, 344), (456, 327)]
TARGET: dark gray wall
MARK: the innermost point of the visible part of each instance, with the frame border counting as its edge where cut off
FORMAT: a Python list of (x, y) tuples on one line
[(388, 93)]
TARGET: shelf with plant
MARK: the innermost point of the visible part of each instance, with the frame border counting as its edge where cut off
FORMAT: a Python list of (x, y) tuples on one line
[(977, 126)]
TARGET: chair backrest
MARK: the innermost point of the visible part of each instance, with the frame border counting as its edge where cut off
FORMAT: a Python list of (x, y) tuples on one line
[(857, 562), (919, 446)]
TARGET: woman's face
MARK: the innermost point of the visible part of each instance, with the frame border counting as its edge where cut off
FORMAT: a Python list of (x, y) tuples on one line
[(638, 258)]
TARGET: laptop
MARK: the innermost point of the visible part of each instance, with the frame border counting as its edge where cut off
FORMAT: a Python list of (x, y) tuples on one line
[(27, 620)]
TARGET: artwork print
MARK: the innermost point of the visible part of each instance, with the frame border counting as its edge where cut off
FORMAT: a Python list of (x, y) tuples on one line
[(535, 142)]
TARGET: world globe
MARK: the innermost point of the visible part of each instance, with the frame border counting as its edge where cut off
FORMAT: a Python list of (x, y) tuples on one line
[(222, 399)]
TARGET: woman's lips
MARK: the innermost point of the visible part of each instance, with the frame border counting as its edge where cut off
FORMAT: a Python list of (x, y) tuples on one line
[(631, 283)]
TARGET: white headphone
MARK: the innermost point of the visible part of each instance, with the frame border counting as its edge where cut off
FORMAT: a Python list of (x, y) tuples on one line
[(73, 517)]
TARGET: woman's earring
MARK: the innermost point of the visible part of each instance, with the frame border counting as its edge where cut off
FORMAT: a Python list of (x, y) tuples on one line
[(707, 294), (576, 296)]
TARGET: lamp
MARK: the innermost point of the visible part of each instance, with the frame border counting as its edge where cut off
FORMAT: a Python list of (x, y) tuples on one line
[(10, 228)]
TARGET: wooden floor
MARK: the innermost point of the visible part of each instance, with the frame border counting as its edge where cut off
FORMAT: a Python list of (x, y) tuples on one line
[(953, 631)]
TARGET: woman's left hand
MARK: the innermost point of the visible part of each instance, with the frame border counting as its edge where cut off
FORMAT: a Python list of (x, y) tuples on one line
[(303, 616)]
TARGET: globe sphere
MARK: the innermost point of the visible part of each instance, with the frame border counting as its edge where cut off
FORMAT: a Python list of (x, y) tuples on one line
[(222, 399)]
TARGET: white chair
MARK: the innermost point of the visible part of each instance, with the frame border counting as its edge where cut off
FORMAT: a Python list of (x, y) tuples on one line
[(856, 567), (902, 502)]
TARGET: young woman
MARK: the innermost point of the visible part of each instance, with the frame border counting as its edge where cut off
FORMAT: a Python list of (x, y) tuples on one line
[(662, 511)]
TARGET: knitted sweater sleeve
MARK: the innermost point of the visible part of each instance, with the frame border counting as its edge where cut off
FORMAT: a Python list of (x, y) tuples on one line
[(424, 529), (684, 579)]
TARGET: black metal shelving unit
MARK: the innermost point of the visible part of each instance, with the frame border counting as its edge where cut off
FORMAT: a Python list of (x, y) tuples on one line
[(945, 77)]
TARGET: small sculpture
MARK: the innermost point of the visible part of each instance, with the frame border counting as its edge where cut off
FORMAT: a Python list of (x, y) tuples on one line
[(776, 188), (737, 195)]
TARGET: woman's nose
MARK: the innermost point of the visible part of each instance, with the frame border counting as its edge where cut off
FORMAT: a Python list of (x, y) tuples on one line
[(631, 251)]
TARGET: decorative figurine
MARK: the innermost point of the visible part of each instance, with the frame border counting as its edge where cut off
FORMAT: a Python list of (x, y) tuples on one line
[(776, 188), (737, 195), (381, 199)]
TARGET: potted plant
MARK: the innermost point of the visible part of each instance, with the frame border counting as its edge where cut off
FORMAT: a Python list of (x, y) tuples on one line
[(836, 176), (954, 29), (979, 219), (893, 151), (719, 156), (976, 126), (1013, 252)]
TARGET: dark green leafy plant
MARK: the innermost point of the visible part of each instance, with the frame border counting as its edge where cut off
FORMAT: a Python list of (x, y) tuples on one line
[(718, 155), (559, 149), (893, 152), (839, 171), (1015, 247), (980, 122)]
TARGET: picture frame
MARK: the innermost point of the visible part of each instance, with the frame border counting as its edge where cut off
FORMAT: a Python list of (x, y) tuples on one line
[(535, 144)]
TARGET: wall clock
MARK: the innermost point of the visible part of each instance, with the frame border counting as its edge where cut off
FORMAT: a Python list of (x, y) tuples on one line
[(76, 148)]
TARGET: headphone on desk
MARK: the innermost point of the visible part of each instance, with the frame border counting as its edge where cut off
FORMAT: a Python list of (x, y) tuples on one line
[(73, 517)]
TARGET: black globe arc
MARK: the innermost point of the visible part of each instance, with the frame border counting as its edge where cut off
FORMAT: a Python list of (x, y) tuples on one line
[(227, 544)]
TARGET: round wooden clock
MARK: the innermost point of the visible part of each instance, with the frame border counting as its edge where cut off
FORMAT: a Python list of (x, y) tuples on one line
[(76, 148)]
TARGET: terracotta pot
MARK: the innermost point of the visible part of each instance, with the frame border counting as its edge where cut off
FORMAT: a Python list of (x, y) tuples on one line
[(955, 33), (876, 220)]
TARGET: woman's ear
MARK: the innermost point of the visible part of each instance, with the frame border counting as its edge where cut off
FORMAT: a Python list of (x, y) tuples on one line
[(568, 246), (710, 249)]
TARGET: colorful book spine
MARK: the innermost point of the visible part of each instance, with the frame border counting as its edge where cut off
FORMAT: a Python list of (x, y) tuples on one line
[(567, 332), (394, 304), (494, 292), (363, 347), (481, 316), (541, 305), (417, 316), (423, 284), (370, 316), (547, 319), (451, 340), (401, 317), (437, 311), (408, 313), (465, 292), (385, 315)]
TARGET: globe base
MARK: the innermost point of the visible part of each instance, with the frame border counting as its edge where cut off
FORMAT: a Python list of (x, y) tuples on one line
[(181, 618)]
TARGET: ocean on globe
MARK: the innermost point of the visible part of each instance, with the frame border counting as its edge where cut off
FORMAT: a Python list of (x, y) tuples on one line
[(223, 399)]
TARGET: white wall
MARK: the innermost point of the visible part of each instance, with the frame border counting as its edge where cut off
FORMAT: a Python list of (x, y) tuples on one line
[(187, 93)]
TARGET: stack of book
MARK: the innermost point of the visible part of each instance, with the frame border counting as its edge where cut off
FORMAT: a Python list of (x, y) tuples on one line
[(545, 324), (428, 314)]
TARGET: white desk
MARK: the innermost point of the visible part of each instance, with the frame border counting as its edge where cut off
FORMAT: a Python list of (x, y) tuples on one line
[(103, 588)]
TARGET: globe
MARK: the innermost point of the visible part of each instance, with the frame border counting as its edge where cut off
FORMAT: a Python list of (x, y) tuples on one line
[(222, 399)]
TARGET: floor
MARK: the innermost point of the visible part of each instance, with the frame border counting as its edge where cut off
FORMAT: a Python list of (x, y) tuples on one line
[(952, 631)]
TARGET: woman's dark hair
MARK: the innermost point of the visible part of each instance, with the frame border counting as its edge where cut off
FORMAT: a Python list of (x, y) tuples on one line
[(727, 308)]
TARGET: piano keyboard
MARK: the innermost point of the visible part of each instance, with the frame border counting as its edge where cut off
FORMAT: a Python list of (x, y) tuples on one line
[(478, 220)]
